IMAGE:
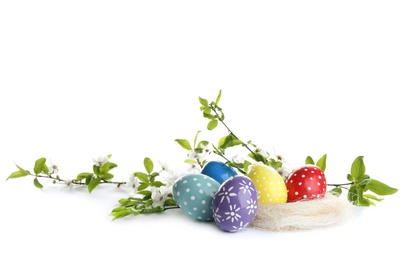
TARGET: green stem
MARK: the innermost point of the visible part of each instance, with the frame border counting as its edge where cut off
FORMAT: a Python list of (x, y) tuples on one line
[(340, 185), (170, 207), (233, 134), (76, 182)]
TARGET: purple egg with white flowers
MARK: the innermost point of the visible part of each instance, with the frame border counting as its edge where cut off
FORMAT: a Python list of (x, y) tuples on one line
[(235, 204)]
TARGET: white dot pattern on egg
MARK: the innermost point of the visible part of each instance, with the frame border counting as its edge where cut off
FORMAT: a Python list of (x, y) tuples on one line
[(194, 193), (270, 185)]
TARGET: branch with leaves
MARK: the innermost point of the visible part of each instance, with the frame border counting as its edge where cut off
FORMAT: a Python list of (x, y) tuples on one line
[(147, 193), (360, 186), (151, 191), (100, 175)]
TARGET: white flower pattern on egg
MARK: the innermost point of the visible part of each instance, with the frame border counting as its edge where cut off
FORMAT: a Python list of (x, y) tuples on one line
[(235, 204), (246, 187), (226, 194), (233, 214)]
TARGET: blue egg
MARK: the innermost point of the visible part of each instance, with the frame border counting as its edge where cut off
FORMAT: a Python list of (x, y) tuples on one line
[(219, 171), (194, 194)]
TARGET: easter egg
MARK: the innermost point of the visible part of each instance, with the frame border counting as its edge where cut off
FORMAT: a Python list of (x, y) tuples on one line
[(306, 183), (219, 171), (235, 204), (269, 184), (194, 194)]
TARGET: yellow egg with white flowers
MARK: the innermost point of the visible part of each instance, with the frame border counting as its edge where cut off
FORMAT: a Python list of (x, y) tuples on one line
[(269, 184)]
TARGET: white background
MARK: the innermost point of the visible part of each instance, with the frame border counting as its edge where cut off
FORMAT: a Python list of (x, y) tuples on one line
[(86, 78)]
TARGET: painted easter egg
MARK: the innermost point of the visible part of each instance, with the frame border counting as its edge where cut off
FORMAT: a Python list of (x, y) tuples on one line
[(235, 204), (306, 183), (270, 185), (194, 194), (219, 171)]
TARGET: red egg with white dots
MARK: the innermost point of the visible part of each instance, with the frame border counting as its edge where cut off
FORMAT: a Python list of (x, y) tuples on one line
[(306, 183)]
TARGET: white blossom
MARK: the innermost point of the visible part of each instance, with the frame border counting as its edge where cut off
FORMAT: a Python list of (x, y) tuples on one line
[(68, 183), (207, 149), (53, 168), (285, 170), (194, 168), (169, 177), (238, 159), (165, 166), (194, 155), (263, 153), (100, 160), (159, 195), (133, 184), (279, 156)]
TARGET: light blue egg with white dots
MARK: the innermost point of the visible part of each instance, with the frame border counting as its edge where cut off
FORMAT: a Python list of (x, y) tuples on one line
[(194, 194)]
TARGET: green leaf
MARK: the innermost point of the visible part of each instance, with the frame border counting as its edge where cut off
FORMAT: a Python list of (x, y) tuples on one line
[(212, 124), (358, 168), (17, 174), (184, 144), (121, 212), (37, 184), (23, 171), (218, 98), (203, 101), (45, 169), (145, 192), (309, 160), (337, 191), (352, 194), (350, 177), (190, 161), (196, 138), (153, 175), (142, 177), (143, 186), (228, 141), (275, 164), (148, 165), (370, 196), (360, 199), (222, 115), (207, 113), (321, 163), (96, 169), (170, 202), (104, 169), (157, 184), (107, 176), (380, 188), (258, 157), (112, 165), (39, 164), (93, 184), (246, 165), (88, 179), (83, 175), (203, 143)]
